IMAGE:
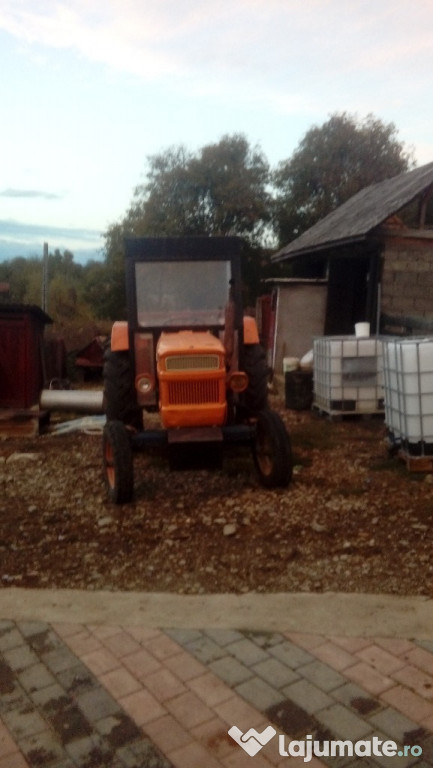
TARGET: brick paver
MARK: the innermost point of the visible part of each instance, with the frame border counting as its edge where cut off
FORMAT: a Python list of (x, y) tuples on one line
[(351, 644), (369, 678), (394, 645), (164, 684), (133, 697), (120, 682), (210, 689), (291, 654), (55, 713), (231, 670), (7, 744), (420, 658), (168, 734), (184, 666), (100, 661), (334, 655), (322, 675), (193, 755), (142, 707), (408, 703), (15, 760), (380, 659), (305, 640), (259, 693), (247, 652), (416, 680), (393, 724), (141, 663), (308, 696), (344, 724)]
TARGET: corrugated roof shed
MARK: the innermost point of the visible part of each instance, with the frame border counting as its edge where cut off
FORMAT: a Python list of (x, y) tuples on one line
[(21, 361), (355, 219), (7, 309)]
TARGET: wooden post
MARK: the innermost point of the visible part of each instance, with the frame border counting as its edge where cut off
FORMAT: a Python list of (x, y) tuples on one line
[(44, 301)]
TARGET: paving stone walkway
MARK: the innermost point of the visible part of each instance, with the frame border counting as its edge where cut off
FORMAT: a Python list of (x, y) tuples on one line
[(98, 696)]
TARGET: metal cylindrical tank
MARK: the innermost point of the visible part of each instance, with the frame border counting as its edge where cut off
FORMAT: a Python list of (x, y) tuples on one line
[(88, 401)]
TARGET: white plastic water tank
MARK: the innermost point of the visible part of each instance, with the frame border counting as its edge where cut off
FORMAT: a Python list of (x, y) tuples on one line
[(348, 374), (408, 369)]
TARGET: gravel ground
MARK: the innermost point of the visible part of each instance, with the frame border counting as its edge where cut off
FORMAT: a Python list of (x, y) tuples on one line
[(352, 520)]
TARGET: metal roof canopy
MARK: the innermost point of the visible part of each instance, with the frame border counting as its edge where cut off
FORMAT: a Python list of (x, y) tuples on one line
[(27, 309), (354, 220)]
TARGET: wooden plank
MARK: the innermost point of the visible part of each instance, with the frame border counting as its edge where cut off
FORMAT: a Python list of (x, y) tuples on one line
[(336, 415), (417, 463), (22, 423)]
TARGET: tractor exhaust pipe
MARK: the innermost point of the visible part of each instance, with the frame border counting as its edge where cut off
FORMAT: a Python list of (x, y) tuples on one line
[(84, 401)]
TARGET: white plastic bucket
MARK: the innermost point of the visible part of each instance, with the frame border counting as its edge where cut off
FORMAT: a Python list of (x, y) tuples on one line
[(362, 329), (290, 364), (307, 361)]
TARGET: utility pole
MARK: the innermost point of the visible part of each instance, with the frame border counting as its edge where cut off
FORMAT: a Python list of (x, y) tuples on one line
[(44, 301)]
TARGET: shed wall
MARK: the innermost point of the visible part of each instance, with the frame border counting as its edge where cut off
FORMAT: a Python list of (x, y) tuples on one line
[(407, 278), (300, 317)]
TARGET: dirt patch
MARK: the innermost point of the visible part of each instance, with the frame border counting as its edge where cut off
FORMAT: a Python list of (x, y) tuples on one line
[(352, 519)]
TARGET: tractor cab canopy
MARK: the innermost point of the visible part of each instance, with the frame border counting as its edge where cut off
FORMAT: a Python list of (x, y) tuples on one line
[(182, 282)]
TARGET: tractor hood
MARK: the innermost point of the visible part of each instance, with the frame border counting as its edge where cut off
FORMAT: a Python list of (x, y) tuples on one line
[(188, 343), (192, 379)]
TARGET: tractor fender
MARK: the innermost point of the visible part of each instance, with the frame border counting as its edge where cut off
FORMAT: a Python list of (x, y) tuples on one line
[(251, 333), (119, 336)]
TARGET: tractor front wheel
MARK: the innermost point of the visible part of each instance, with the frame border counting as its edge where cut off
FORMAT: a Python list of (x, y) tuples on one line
[(120, 397), (118, 462), (272, 450)]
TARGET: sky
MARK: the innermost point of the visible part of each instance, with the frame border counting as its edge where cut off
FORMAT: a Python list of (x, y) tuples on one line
[(89, 89)]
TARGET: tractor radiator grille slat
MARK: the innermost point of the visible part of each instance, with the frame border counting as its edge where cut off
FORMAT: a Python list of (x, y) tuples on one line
[(192, 363), (193, 392)]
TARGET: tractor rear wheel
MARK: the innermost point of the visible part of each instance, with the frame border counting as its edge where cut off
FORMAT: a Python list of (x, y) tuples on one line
[(118, 462), (272, 450), (120, 398), (255, 366)]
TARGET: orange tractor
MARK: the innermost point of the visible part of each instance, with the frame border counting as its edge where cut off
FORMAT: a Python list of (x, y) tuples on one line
[(187, 352)]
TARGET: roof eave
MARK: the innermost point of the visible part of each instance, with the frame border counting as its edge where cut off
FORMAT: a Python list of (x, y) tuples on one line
[(283, 255)]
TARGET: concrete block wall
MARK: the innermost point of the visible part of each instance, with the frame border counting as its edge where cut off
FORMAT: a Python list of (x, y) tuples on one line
[(407, 277)]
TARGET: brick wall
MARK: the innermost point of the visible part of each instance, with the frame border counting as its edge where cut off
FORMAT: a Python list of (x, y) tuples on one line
[(407, 278)]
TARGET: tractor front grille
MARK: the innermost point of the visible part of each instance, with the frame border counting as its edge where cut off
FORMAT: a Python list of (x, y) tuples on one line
[(192, 363), (193, 392)]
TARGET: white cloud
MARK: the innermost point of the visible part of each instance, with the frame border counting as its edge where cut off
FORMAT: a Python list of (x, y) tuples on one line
[(286, 57), (255, 39), (173, 71), (30, 194)]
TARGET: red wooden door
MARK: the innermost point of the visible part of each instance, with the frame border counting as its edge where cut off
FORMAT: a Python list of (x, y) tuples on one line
[(13, 363)]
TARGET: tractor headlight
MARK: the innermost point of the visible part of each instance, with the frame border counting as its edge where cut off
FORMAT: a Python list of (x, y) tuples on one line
[(238, 381), (144, 383)]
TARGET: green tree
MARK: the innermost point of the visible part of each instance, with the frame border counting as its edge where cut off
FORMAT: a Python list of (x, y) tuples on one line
[(69, 297), (222, 189), (331, 164), (63, 265), (24, 276), (166, 203), (103, 290), (114, 293)]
